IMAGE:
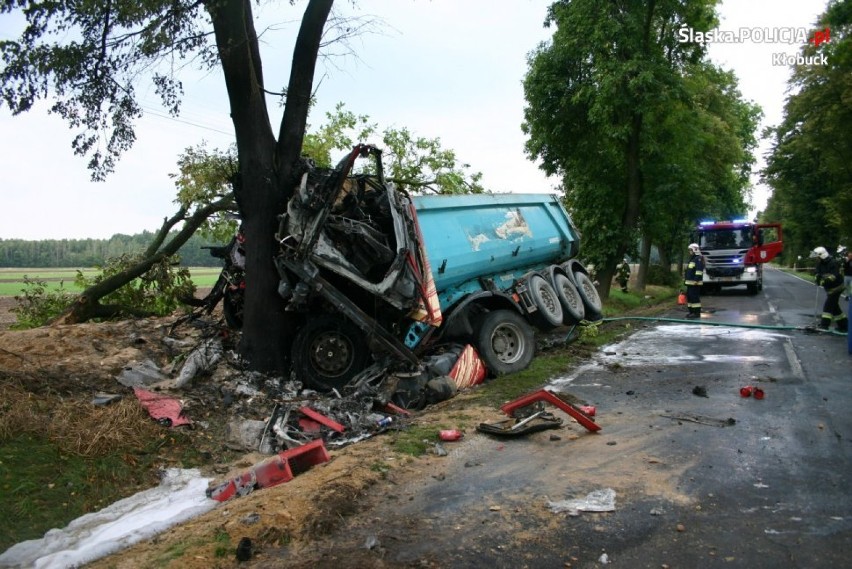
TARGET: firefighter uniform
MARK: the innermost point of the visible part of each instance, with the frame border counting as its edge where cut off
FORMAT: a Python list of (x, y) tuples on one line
[(693, 277), (623, 274), (828, 275)]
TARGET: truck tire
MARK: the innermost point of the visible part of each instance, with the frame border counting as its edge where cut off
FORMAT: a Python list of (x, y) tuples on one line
[(505, 341), (549, 313), (569, 297), (752, 288), (589, 294), (328, 352)]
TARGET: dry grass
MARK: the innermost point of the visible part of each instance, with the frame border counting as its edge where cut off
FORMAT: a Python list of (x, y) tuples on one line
[(75, 425)]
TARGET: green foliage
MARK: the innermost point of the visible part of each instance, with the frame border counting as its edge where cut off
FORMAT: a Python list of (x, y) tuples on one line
[(90, 74), (416, 163), (645, 134), (39, 304), (204, 177), (663, 276), (415, 441), (76, 253), (413, 163), (343, 131), (46, 486), (156, 292), (224, 548), (808, 167)]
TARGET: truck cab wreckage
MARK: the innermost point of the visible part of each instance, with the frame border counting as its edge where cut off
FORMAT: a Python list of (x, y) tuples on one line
[(384, 279)]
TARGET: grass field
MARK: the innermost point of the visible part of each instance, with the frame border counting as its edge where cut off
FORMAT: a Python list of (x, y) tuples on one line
[(12, 279)]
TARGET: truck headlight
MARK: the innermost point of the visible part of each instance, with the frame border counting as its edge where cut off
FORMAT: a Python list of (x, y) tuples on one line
[(751, 269)]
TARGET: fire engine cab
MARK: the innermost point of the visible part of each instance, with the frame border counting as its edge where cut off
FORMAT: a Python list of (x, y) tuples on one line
[(735, 251)]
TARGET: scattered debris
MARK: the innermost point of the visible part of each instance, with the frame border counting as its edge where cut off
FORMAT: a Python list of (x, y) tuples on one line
[(139, 374), (271, 472), (516, 408), (589, 410), (536, 422), (700, 391), (162, 408), (201, 360), (244, 549), (596, 501), (103, 399), (713, 422), (450, 435)]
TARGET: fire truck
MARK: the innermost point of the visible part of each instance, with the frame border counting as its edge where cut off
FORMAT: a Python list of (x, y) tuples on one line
[(735, 251)]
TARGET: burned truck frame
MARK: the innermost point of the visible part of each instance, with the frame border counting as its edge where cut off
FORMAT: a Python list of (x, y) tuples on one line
[(356, 262)]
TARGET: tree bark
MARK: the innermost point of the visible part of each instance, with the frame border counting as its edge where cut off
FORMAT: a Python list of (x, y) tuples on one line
[(267, 166)]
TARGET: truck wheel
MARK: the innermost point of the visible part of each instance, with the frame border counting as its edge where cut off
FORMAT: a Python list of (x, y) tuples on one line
[(569, 297), (328, 352), (752, 288), (549, 313), (505, 342), (589, 294)]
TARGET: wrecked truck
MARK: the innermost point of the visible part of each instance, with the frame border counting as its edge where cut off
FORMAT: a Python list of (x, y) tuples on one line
[(376, 275)]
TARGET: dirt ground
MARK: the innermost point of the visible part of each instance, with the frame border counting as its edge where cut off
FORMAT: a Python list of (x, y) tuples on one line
[(77, 361), (7, 317), (296, 517)]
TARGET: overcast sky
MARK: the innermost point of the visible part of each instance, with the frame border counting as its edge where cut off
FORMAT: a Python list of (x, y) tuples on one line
[(448, 69)]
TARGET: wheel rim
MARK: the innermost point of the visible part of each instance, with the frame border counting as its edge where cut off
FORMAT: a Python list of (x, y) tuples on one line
[(331, 354), (508, 343)]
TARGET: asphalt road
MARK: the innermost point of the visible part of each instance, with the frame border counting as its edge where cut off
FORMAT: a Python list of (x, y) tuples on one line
[(702, 476)]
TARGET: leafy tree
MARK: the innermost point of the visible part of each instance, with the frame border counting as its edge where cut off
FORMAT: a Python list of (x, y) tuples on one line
[(89, 57), (413, 163), (809, 165), (594, 96), (700, 158), (37, 304)]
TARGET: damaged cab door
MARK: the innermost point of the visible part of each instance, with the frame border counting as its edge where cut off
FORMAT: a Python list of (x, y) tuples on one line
[(352, 264)]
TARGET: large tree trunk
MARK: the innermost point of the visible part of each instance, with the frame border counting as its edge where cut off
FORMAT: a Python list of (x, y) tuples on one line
[(267, 166)]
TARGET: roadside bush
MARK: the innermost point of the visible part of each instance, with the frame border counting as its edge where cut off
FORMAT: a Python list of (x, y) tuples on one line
[(157, 292), (38, 304), (660, 275)]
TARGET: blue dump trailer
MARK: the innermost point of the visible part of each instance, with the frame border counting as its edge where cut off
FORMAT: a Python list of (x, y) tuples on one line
[(383, 277)]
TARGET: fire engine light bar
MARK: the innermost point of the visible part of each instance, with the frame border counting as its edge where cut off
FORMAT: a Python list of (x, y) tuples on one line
[(706, 222), (740, 221)]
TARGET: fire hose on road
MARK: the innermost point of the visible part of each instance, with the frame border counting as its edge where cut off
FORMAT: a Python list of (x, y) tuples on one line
[(807, 329)]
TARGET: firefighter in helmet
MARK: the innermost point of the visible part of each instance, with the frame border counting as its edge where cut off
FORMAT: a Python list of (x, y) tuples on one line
[(622, 274), (828, 276), (693, 277)]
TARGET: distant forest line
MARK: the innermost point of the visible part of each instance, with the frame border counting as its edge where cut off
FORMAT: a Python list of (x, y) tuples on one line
[(49, 253)]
